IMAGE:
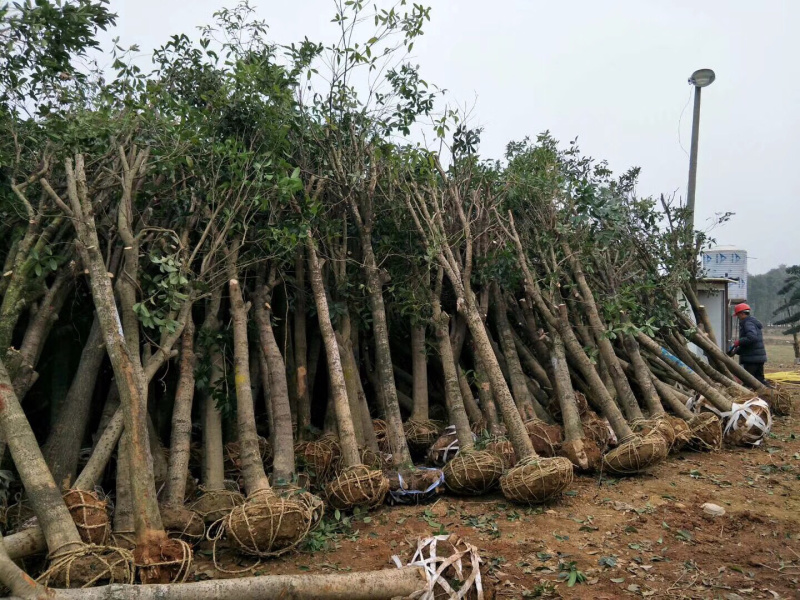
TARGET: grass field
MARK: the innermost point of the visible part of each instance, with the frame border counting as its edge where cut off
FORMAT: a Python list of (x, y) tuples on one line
[(779, 350)]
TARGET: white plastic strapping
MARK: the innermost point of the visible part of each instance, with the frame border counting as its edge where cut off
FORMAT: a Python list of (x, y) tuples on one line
[(435, 566), (741, 416)]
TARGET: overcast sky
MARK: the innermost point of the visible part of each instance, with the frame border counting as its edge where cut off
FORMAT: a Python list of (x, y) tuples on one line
[(612, 73)]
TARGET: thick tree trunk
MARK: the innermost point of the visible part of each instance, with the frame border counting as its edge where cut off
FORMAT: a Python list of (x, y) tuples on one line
[(419, 370), (16, 580), (488, 406), (127, 367), (93, 471), (570, 415), (624, 392), (255, 479), (301, 348), (452, 392), (373, 585), (282, 440), (62, 449), (643, 376), (213, 470), (181, 433), (350, 372), (515, 374), (344, 420), (44, 495), (470, 405)]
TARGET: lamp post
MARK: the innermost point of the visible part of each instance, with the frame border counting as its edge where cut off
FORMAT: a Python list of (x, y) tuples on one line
[(699, 79)]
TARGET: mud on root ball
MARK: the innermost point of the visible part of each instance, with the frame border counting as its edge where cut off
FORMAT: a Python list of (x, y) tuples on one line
[(545, 438), (90, 513), (320, 458), (163, 561), (537, 480), (212, 505), (473, 473), (183, 523), (87, 565), (421, 434), (636, 455), (445, 447), (357, 486), (503, 448)]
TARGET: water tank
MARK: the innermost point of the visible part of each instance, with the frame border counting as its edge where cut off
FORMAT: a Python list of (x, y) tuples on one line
[(730, 262)]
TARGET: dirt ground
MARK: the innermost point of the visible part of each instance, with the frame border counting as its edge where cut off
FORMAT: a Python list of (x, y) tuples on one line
[(644, 536)]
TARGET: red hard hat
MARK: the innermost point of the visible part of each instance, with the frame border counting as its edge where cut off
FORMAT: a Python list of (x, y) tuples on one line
[(740, 308)]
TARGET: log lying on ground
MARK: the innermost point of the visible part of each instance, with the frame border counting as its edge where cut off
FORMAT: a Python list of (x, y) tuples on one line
[(374, 585)]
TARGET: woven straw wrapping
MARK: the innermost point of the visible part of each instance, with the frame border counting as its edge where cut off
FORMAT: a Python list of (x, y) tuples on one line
[(536, 480)]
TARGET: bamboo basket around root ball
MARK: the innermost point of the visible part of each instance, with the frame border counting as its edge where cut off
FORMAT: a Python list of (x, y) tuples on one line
[(87, 565), (357, 486), (705, 432), (90, 513), (636, 455), (473, 473), (319, 457), (536, 480), (421, 434), (381, 435), (779, 399), (267, 524), (545, 438)]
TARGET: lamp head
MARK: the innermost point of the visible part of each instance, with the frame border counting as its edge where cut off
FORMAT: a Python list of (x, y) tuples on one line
[(702, 78)]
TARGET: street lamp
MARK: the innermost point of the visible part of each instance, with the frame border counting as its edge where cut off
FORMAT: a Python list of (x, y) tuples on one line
[(699, 79)]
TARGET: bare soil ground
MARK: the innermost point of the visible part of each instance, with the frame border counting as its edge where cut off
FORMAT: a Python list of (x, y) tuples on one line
[(642, 536)]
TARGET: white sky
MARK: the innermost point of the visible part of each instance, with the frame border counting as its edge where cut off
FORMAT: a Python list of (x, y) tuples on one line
[(613, 74)]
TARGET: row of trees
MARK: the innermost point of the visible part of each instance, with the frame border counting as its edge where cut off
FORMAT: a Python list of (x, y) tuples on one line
[(241, 250)]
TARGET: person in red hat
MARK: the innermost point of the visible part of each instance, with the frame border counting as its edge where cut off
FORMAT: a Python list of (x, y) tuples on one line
[(750, 345)]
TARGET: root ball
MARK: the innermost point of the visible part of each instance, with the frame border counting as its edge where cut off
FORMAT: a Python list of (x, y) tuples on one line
[(473, 473), (636, 455), (90, 513), (545, 438), (357, 486), (87, 565), (537, 480), (212, 505)]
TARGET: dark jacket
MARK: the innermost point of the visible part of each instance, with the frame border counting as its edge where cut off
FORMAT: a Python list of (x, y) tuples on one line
[(751, 342)]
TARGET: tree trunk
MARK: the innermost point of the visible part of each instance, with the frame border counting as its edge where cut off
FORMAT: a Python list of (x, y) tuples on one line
[(695, 381), (350, 372), (643, 376), (255, 479), (127, 368), (452, 391), (472, 408), (301, 348), (93, 471), (570, 415), (213, 471), (372, 585), (488, 406), (419, 370), (181, 432), (344, 420), (44, 495), (63, 446), (123, 506), (16, 580), (282, 439), (624, 392)]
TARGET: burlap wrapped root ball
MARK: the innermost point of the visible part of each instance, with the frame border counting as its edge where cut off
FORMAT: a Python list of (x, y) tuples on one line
[(212, 505), (535, 480), (705, 432), (473, 473), (421, 434), (183, 523), (87, 565), (267, 524), (545, 438), (357, 486), (312, 502), (167, 561), (320, 458), (636, 455), (90, 513), (503, 448)]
